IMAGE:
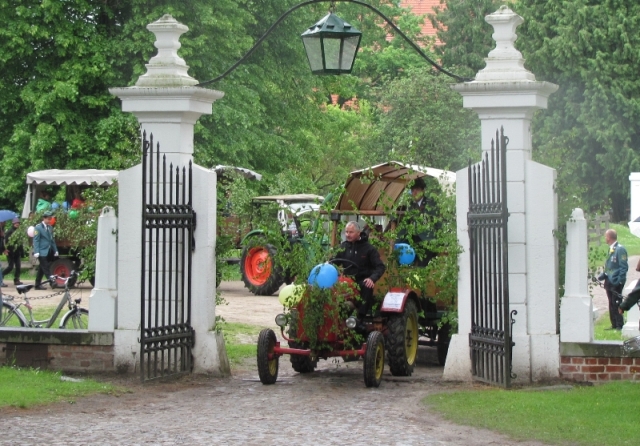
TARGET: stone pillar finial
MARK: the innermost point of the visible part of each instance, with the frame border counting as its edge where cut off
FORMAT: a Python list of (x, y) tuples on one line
[(167, 69), (505, 62)]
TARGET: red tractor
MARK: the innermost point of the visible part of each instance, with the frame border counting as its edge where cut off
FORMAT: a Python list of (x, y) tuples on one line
[(320, 326)]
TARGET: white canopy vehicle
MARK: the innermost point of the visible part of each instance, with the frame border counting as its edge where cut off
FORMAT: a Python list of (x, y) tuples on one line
[(40, 180), (74, 182)]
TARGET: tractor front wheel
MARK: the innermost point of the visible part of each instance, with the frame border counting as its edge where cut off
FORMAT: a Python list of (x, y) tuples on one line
[(260, 273), (402, 340), (374, 359), (267, 368)]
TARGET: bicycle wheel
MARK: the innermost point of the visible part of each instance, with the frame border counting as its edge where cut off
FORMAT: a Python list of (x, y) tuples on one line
[(10, 316), (76, 319)]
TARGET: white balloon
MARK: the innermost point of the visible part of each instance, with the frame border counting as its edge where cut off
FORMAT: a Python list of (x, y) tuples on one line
[(31, 231)]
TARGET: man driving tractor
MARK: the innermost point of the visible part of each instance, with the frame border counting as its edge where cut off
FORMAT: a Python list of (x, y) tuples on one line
[(361, 261)]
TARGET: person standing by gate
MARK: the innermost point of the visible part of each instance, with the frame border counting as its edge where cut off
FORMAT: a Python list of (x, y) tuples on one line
[(44, 248), (614, 276), (14, 253)]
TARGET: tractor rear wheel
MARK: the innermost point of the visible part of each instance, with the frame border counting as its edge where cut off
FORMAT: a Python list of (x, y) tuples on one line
[(260, 273), (374, 359), (402, 340), (267, 368), (62, 268), (300, 363)]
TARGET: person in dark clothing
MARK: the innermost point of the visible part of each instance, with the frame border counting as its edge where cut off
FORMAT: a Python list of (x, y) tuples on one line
[(614, 276), (414, 230), (633, 297), (14, 253), (362, 262)]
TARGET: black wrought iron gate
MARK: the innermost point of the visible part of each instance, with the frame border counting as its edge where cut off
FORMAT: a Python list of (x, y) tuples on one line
[(490, 338), (168, 223)]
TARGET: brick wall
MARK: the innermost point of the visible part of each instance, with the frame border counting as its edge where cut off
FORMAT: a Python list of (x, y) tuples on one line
[(81, 358), (65, 350), (598, 361)]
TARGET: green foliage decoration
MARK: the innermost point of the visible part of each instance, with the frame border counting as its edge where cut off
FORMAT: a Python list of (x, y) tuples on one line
[(436, 282), (76, 235)]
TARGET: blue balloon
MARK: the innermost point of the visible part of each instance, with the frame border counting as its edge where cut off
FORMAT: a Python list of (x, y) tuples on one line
[(65, 205), (324, 275), (406, 254), (54, 205)]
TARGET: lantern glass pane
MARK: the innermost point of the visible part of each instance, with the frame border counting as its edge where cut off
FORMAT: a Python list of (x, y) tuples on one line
[(332, 53), (314, 52), (349, 52)]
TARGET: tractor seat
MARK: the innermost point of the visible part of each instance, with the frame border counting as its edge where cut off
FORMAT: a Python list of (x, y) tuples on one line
[(23, 288)]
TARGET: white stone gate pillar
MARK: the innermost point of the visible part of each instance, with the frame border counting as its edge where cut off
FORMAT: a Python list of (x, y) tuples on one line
[(505, 94), (167, 105)]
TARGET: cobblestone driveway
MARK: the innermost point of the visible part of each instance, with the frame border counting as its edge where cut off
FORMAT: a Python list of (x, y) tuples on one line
[(331, 406), (328, 407)]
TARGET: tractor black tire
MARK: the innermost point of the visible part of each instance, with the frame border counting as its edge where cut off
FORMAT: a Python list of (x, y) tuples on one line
[(402, 340), (260, 273), (374, 359), (62, 267), (300, 363), (444, 338), (267, 369)]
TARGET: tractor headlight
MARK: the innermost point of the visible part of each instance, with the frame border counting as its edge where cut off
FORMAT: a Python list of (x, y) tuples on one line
[(281, 320), (351, 322)]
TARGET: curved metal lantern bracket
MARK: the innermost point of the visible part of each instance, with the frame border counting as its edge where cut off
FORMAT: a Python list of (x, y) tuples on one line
[(310, 2)]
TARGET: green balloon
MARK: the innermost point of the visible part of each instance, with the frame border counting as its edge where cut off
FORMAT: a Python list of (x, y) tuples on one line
[(290, 295), (73, 214)]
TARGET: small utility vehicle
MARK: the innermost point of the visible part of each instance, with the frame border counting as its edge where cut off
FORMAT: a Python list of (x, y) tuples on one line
[(296, 215)]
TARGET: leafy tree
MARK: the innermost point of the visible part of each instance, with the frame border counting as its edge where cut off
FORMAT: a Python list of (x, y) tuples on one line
[(591, 129), (422, 120), (57, 62), (465, 35)]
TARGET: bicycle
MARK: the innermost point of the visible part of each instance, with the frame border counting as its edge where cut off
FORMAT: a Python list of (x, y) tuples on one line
[(77, 318)]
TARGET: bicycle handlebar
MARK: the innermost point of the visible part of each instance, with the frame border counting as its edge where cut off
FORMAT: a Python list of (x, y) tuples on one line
[(72, 275)]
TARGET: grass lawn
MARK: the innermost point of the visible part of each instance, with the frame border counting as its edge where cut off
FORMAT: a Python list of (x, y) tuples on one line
[(26, 388), (630, 241), (600, 415), (240, 341), (599, 332)]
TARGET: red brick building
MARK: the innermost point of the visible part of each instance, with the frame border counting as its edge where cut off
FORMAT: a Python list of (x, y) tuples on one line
[(423, 7)]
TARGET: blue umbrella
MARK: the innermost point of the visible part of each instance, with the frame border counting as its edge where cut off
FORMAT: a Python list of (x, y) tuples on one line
[(7, 215)]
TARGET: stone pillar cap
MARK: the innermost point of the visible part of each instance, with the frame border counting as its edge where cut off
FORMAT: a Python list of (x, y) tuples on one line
[(167, 69), (505, 63)]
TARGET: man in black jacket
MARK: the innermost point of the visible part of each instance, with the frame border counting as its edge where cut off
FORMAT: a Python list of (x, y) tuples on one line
[(362, 262)]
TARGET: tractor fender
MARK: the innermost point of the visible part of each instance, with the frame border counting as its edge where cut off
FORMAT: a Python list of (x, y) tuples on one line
[(254, 233), (396, 299)]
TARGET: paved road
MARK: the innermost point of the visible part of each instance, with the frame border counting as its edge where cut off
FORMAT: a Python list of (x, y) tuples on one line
[(328, 407)]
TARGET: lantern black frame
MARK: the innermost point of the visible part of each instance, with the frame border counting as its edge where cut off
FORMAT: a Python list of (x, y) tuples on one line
[(311, 2)]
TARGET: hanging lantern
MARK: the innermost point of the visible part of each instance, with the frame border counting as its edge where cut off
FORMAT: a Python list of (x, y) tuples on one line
[(331, 45)]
